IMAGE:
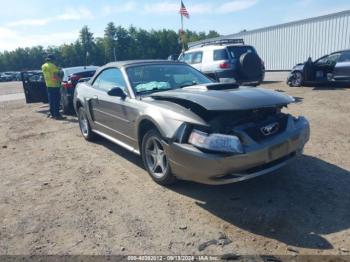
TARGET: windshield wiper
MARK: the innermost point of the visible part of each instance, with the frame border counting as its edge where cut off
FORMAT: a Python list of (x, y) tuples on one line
[(188, 84), (154, 90)]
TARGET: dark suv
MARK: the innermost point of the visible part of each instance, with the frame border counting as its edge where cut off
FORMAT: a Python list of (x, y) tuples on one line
[(226, 60)]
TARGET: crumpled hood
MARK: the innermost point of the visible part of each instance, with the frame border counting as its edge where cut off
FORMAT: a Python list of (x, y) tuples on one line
[(242, 98)]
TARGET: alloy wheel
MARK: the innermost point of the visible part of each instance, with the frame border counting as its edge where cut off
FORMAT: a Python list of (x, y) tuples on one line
[(155, 157), (83, 123)]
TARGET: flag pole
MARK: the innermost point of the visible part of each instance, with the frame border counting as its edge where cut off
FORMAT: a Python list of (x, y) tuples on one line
[(182, 31)]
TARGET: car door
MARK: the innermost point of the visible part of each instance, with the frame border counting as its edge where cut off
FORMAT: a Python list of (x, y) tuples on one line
[(111, 114), (34, 87), (324, 67), (342, 68)]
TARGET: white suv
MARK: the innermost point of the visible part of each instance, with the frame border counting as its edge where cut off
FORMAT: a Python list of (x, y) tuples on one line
[(226, 60)]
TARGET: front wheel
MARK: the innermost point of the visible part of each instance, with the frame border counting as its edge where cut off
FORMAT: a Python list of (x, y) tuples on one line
[(155, 158), (84, 125), (296, 79)]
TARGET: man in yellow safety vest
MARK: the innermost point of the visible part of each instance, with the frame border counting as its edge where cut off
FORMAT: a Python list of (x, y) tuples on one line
[(53, 77)]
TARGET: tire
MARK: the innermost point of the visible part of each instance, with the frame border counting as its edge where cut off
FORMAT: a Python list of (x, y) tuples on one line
[(296, 79), (152, 152), (84, 125), (250, 66)]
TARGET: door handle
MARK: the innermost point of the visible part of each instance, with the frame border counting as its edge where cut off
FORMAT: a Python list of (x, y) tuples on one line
[(95, 97)]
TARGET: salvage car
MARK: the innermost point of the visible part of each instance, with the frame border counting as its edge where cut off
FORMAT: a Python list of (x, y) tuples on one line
[(332, 68), (185, 126)]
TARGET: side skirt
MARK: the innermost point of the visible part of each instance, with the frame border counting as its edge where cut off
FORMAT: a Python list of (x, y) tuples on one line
[(116, 141)]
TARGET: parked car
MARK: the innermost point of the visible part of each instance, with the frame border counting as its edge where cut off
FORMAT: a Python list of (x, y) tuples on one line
[(226, 60), (6, 77), (71, 77), (331, 68), (186, 126)]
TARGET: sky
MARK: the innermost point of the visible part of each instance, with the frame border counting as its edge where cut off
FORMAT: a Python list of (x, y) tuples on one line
[(26, 23)]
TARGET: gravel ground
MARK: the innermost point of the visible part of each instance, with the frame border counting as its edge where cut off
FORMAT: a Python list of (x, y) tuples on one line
[(62, 195)]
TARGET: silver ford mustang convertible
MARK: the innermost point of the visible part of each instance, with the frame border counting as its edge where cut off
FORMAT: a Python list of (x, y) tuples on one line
[(185, 126)]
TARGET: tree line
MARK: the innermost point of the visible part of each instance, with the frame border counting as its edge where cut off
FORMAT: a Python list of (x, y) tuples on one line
[(118, 43)]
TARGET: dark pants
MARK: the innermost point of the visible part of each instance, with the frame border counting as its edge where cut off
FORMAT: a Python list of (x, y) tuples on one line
[(54, 95)]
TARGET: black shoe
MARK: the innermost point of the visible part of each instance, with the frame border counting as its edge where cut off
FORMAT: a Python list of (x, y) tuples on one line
[(59, 117)]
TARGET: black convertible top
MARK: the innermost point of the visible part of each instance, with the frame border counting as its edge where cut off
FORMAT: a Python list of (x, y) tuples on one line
[(139, 62)]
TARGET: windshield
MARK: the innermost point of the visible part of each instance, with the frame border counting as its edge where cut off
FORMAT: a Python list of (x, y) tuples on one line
[(154, 78), (73, 70)]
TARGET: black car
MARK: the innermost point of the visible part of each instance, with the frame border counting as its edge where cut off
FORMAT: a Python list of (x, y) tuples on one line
[(35, 89), (71, 77), (332, 68)]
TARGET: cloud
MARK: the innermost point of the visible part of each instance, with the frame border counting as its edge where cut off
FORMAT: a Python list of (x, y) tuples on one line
[(126, 7), (235, 6), (29, 22), (76, 14), (161, 7), (167, 7), (11, 39)]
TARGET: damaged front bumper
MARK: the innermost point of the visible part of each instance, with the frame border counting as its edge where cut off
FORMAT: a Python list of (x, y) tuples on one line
[(189, 163)]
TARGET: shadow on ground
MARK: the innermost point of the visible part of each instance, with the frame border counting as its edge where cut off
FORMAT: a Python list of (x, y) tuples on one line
[(295, 205), (135, 159), (327, 86), (271, 82), (44, 110)]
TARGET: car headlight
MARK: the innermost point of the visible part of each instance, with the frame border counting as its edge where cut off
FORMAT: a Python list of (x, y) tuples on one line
[(216, 142)]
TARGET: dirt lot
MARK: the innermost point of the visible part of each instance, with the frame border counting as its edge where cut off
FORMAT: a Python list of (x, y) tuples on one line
[(62, 195)]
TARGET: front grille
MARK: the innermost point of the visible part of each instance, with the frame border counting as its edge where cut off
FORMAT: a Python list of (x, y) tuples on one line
[(257, 135)]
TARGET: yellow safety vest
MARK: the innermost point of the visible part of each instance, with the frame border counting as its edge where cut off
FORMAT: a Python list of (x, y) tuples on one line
[(52, 75)]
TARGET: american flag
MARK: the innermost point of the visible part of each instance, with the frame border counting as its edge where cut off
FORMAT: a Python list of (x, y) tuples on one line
[(183, 11)]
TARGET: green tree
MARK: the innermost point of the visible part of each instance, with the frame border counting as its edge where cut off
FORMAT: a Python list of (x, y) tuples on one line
[(130, 43), (110, 42), (87, 42)]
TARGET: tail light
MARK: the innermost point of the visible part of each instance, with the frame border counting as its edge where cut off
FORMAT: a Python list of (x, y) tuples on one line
[(224, 65), (67, 84)]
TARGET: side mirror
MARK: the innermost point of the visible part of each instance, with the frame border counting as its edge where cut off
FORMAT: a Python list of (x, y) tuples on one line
[(117, 91)]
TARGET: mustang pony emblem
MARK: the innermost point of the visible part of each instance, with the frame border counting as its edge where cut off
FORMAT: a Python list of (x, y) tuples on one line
[(270, 129)]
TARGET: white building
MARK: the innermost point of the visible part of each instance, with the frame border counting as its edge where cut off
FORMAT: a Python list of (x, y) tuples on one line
[(282, 46)]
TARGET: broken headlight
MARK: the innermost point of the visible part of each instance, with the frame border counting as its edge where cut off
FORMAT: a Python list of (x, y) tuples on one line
[(216, 142)]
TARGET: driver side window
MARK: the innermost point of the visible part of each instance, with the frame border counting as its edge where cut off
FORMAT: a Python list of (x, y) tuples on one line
[(109, 79), (330, 59)]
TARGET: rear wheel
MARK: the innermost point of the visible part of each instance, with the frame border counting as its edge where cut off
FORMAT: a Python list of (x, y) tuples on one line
[(296, 79), (155, 158), (84, 125)]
